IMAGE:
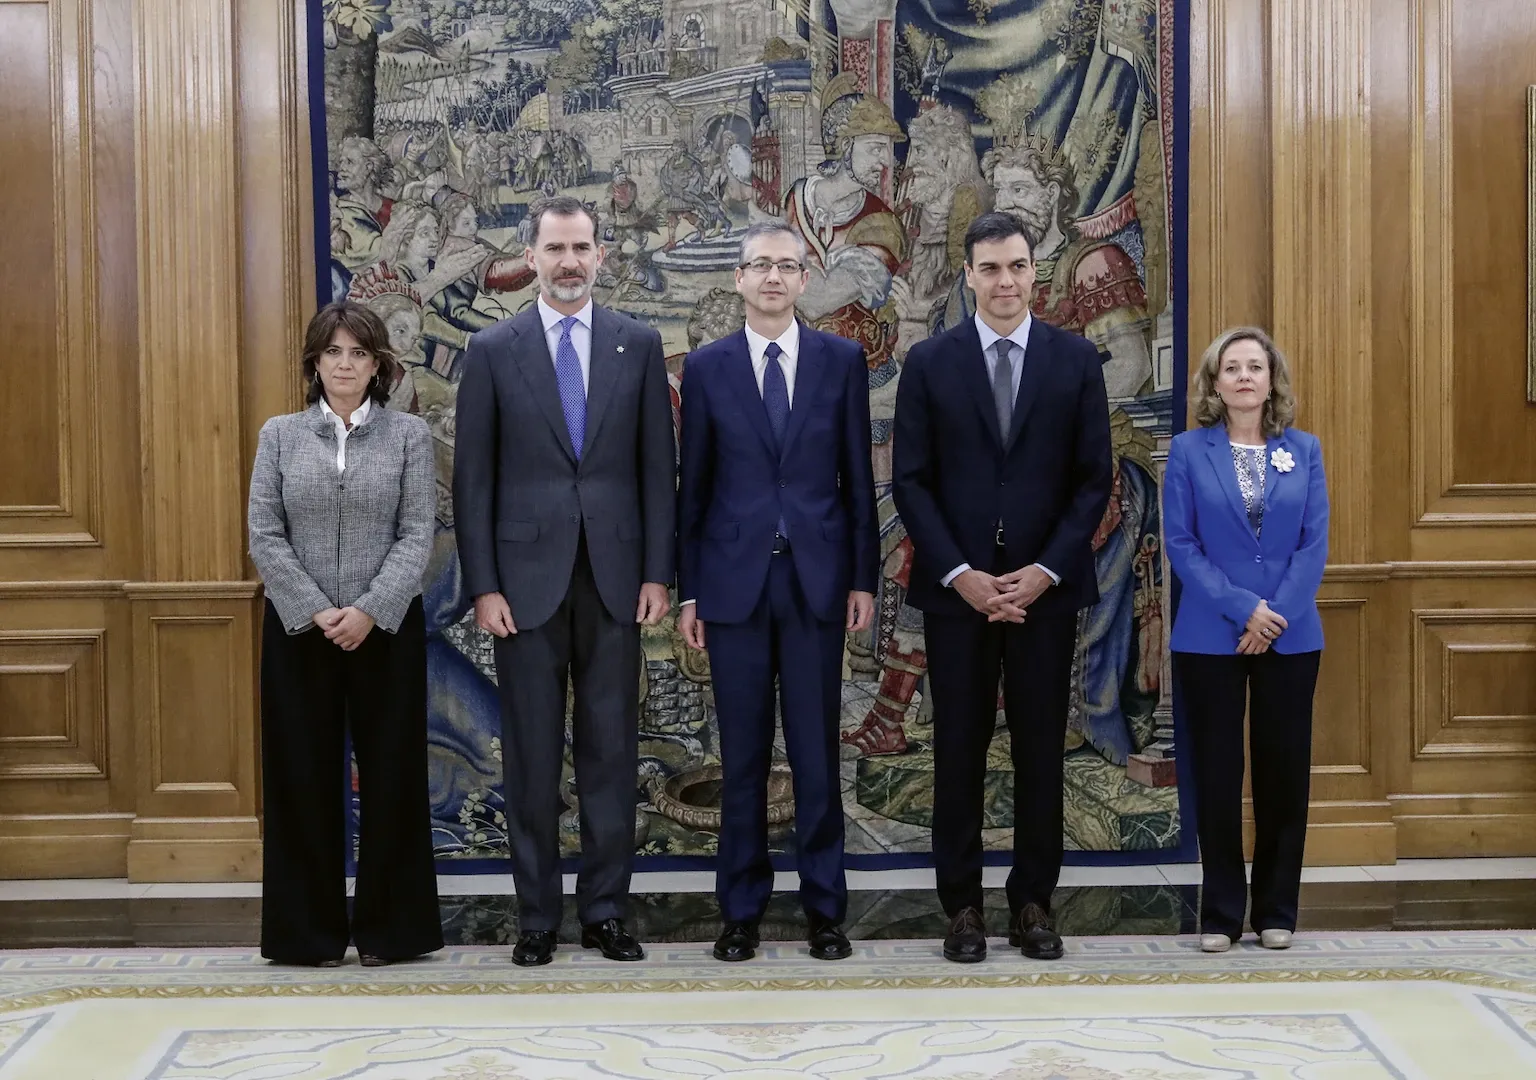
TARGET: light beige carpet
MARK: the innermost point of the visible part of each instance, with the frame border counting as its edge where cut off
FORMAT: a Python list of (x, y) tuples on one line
[(1336, 1006)]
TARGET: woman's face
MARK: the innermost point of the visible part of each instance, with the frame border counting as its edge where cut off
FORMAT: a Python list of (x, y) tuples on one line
[(1242, 378), (466, 222), (345, 369)]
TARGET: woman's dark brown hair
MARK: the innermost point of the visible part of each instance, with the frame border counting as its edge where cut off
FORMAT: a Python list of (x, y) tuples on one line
[(370, 333)]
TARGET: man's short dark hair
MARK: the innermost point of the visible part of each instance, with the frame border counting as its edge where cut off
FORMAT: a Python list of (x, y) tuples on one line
[(991, 226), (560, 206)]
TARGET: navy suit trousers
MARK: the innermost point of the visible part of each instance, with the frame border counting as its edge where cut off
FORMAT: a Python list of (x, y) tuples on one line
[(781, 639)]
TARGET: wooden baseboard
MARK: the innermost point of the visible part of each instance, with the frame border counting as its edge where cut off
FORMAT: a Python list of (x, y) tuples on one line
[(197, 849), (1462, 826), (64, 845), (1342, 834)]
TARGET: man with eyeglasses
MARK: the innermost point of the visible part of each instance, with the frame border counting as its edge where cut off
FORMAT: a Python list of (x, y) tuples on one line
[(779, 556)]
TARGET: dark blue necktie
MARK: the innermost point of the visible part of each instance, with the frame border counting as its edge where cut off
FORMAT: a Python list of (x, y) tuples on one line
[(776, 401), (573, 392)]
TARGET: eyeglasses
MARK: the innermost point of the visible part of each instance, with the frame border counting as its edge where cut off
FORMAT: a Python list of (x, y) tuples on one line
[(762, 266)]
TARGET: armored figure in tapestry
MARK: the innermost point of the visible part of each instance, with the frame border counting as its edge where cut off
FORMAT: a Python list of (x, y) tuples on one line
[(876, 132)]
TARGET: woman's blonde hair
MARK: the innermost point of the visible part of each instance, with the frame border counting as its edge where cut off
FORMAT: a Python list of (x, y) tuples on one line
[(1279, 408)]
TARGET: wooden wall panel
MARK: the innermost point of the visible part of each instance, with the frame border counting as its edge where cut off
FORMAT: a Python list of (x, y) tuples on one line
[(1341, 744), (31, 469), (49, 480), (1492, 62), (53, 720)]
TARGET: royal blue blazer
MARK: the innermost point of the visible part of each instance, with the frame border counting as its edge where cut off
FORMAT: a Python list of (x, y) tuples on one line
[(1225, 570)]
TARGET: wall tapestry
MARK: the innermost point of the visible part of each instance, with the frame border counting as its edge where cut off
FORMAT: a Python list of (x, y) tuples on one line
[(876, 130)]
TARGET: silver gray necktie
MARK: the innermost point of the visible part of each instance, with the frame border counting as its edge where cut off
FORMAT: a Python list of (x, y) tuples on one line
[(1002, 387)]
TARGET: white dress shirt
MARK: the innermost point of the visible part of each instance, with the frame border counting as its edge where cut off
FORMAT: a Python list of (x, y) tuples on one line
[(789, 362), (989, 340), (581, 337), (358, 416), (789, 356)]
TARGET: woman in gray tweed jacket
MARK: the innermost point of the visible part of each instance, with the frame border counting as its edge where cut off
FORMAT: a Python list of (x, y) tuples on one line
[(342, 503)]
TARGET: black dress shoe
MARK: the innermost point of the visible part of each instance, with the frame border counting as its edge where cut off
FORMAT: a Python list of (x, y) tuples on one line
[(534, 947), (613, 939), (738, 941), (371, 960), (828, 942), (966, 942), (1031, 934)]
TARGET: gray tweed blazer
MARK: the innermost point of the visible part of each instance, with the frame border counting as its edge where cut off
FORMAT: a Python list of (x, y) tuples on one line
[(360, 538)]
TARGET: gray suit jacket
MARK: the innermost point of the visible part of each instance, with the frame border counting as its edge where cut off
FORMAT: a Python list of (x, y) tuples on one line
[(521, 500), (359, 538)]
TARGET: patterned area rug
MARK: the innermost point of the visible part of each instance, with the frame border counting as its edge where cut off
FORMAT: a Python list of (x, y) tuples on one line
[(1335, 1006)]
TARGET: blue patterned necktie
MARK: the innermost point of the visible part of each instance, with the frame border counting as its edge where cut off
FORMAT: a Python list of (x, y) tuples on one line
[(573, 392), (776, 401)]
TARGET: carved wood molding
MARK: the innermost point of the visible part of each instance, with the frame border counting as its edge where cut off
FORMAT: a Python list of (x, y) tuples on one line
[(1461, 568), (1321, 167), (189, 287)]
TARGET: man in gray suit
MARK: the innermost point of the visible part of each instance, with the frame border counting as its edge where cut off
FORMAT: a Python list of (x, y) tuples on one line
[(564, 484)]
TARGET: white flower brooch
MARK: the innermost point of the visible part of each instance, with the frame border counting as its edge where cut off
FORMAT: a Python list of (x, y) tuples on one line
[(1282, 461)]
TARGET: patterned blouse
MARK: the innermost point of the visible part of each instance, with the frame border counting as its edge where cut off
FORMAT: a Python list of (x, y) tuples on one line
[(1250, 465)]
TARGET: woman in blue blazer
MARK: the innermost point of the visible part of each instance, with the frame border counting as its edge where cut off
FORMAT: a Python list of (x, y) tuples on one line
[(1246, 524)]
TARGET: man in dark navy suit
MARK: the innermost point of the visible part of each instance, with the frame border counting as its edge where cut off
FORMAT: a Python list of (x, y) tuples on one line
[(779, 558), (1001, 469)]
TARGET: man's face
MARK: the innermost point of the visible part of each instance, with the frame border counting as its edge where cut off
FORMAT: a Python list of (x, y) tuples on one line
[(766, 284), (1021, 193), (925, 170), (351, 170), (1002, 275), (869, 160), (404, 331), (565, 254)]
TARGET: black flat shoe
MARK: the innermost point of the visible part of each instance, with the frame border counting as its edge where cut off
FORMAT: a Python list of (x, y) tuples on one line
[(613, 939), (1032, 935), (828, 942), (966, 942), (534, 947), (737, 942)]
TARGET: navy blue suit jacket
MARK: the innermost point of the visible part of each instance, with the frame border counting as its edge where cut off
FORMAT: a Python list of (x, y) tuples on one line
[(1223, 567), (733, 486), (955, 475)]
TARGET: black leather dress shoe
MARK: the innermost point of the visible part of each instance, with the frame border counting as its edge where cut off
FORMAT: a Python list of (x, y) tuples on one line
[(738, 941), (613, 939), (828, 942), (534, 947), (1031, 934), (966, 942)]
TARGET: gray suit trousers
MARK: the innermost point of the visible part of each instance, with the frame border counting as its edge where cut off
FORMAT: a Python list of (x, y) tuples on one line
[(601, 657)]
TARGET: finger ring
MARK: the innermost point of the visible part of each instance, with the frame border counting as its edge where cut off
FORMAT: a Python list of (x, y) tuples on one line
[(1268, 633)]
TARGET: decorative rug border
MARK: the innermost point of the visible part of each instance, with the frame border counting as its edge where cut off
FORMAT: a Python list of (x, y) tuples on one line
[(69, 995)]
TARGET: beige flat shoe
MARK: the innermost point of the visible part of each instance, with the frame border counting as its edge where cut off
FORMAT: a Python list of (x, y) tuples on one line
[(1215, 943), (1275, 939)]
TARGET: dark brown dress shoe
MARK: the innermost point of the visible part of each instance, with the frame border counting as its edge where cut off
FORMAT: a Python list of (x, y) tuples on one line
[(613, 939), (737, 942), (828, 942), (534, 947), (966, 942), (1032, 935), (370, 960)]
